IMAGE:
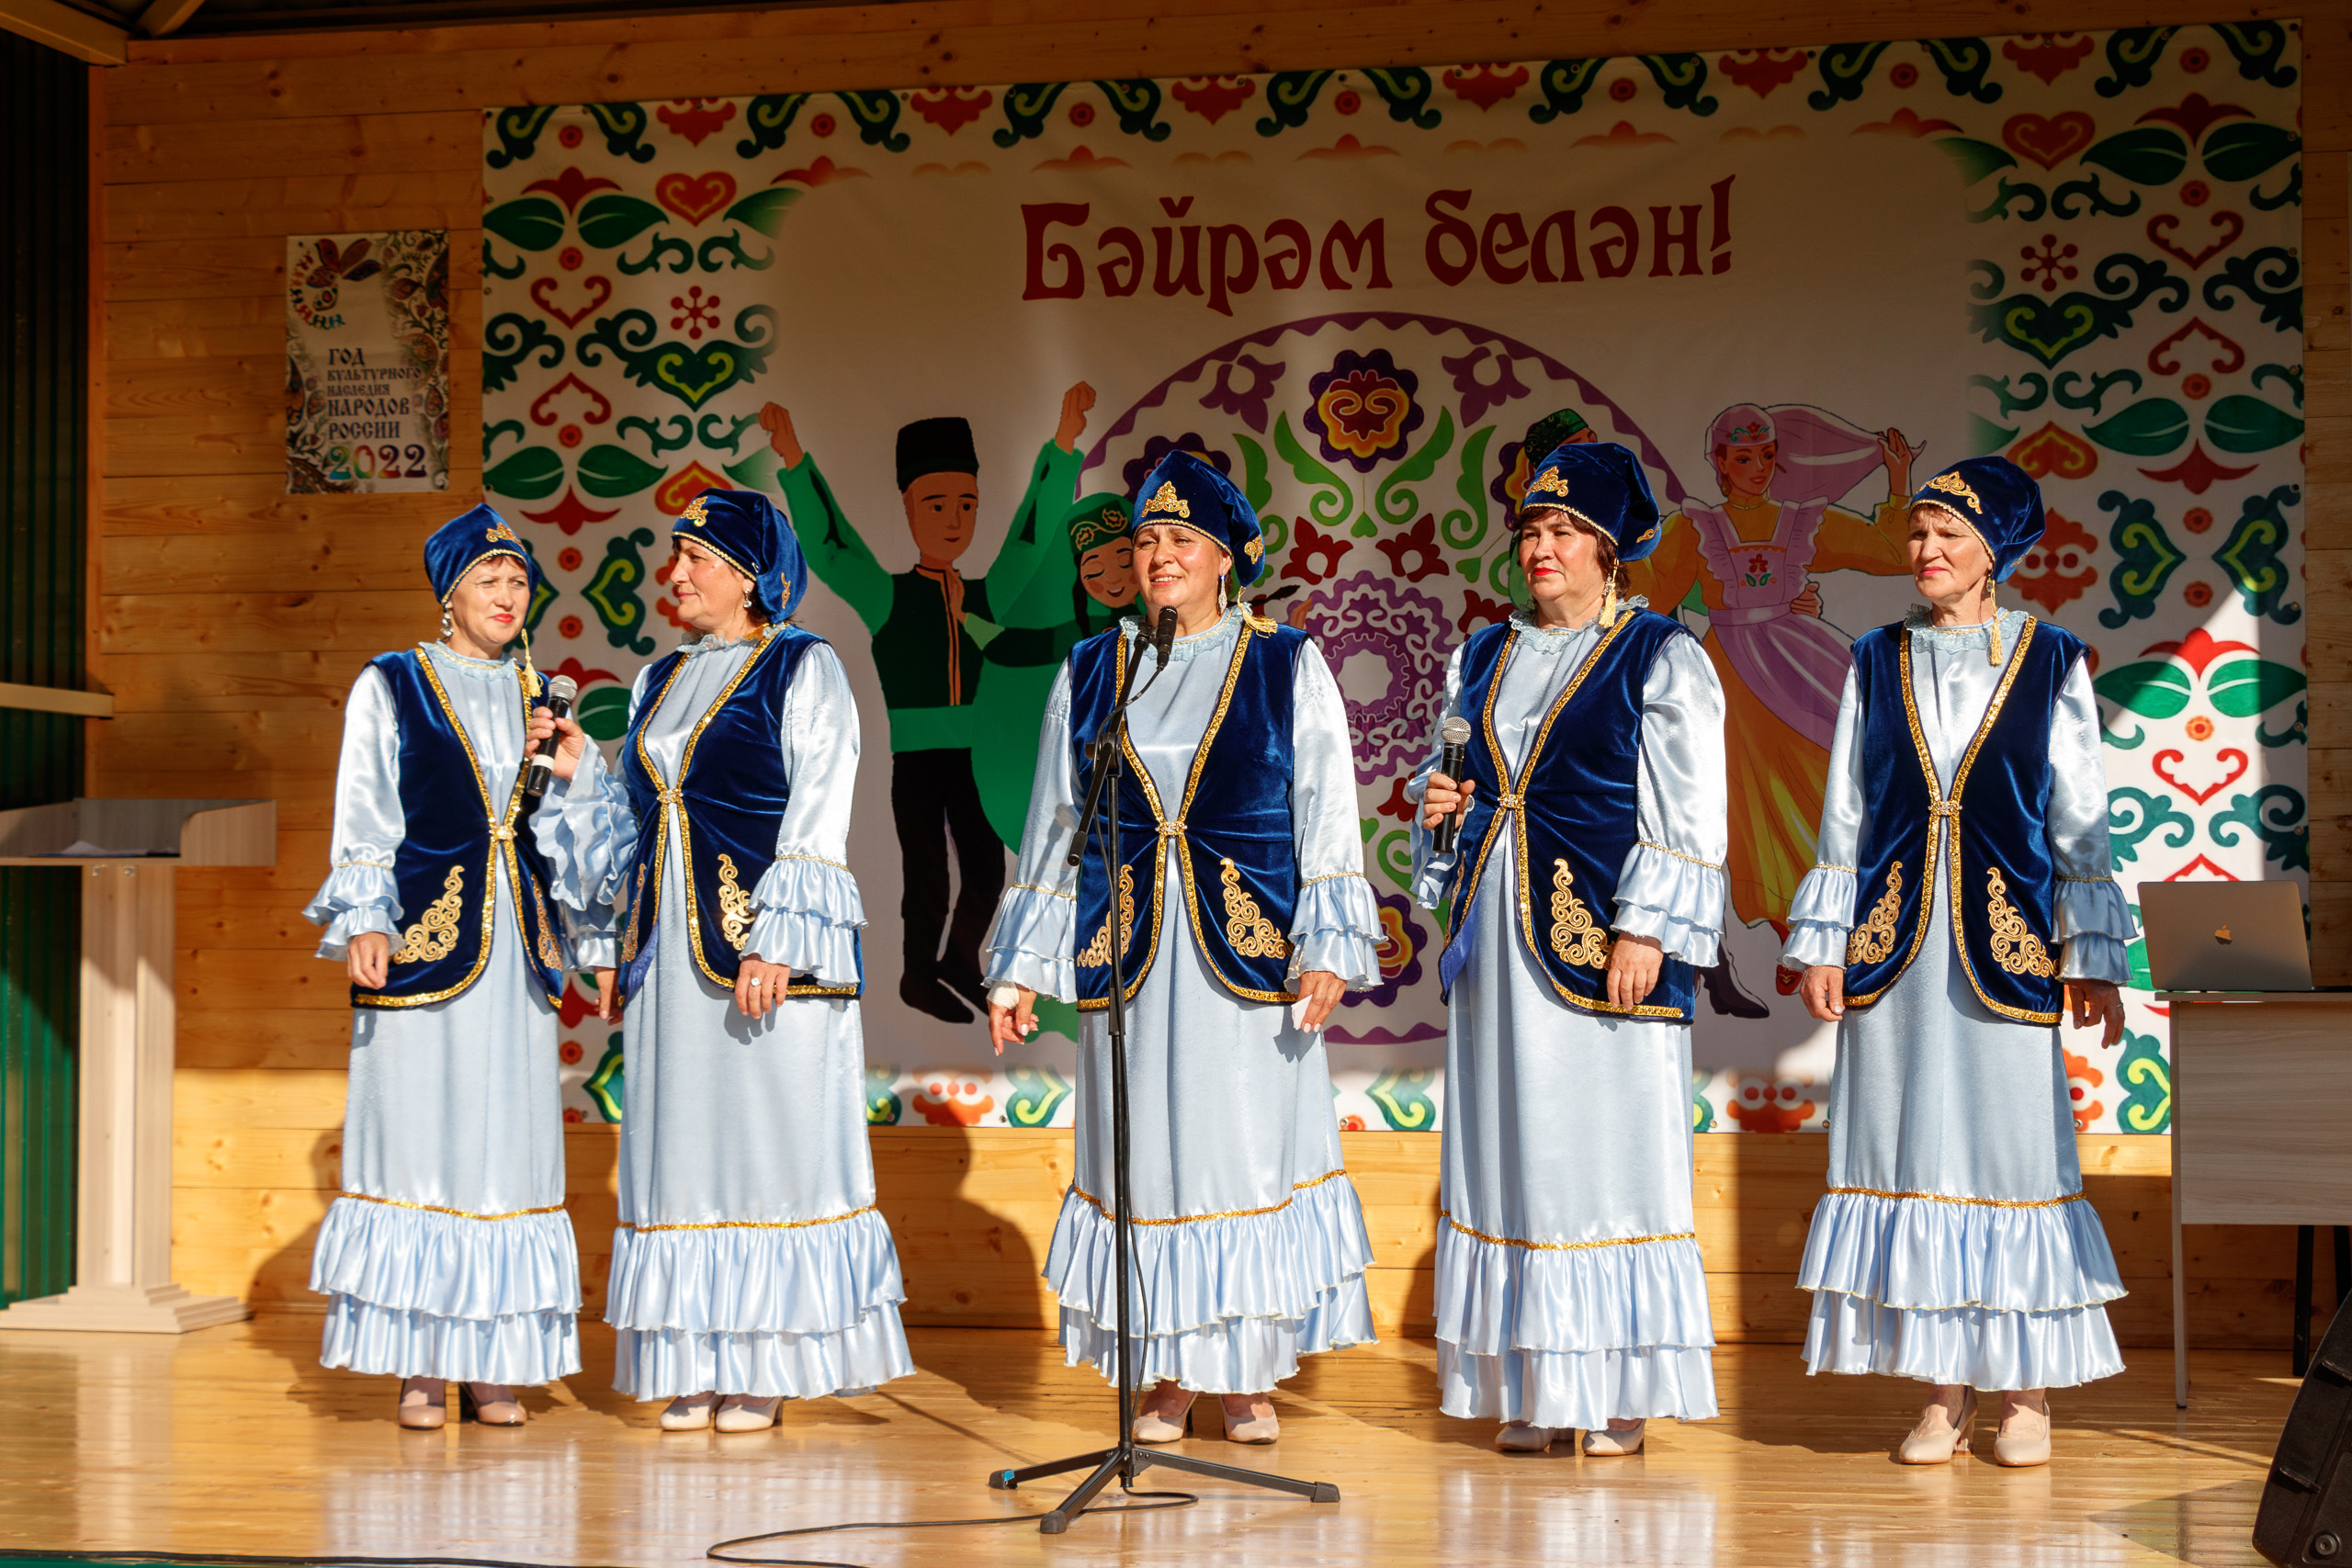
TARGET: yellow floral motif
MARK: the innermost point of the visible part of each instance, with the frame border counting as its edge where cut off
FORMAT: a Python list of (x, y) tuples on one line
[(1098, 952), (695, 515), (1165, 498), (734, 905), (1874, 938), (2014, 947), (1576, 938), (435, 937), (1952, 484), (1252, 935)]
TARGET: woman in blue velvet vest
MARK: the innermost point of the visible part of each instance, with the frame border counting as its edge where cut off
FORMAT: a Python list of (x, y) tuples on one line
[(1248, 915), (1585, 891), (1964, 901), (448, 1255), (749, 1265)]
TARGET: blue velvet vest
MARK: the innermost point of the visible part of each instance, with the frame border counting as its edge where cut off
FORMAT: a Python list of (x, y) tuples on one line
[(1238, 859), (1994, 856), (454, 838), (731, 796), (1577, 798)]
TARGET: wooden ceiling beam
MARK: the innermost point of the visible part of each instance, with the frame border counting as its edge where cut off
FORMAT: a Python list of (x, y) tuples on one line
[(164, 18), (65, 29)]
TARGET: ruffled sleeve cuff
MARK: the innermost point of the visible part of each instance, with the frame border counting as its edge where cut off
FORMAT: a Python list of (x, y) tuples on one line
[(2094, 907), (807, 915), (1337, 929), (580, 827), (355, 898), (1820, 917), (1032, 941), (2094, 956), (1675, 899)]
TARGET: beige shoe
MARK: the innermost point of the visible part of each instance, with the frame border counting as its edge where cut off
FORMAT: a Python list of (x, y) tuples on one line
[(1519, 1437), (424, 1405), (1616, 1441), (747, 1413), (2023, 1441), (688, 1413), (1165, 1415), (1938, 1437), (1249, 1418), (490, 1404)]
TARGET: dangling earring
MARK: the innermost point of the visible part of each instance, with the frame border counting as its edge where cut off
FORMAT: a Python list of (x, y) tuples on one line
[(747, 598), (449, 625), (1608, 604)]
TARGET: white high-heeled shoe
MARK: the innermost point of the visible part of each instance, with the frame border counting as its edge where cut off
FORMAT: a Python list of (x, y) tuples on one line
[(1937, 1438), (1519, 1437), (2023, 1441), (1167, 1423), (1614, 1441), (747, 1413), (424, 1405), (688, 1413), (1246, 1425), (490, 1405)]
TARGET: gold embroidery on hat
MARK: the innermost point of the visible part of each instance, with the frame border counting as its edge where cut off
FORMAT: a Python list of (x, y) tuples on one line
[(734, 905), (1952, 484), (1874, 938), (435, 937), (695, 515), (1246, 927), (2014, 947), (1255, 549), (1098, 952), (503, 531), (1576, 938), (1165, 498), (1551, 482)]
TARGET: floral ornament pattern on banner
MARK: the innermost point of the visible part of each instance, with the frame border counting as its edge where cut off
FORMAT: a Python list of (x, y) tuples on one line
[(2132, 301)]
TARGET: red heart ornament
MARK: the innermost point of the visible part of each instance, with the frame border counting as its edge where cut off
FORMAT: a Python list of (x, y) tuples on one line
[(2165, 223), (2162, 767), (695, 197), (539, 286), (2049, 139)]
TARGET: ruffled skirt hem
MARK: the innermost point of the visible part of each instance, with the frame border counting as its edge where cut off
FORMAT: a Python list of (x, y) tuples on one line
[(1980, 1346), (749, 1281), (1578, 1389), (522, 1349), (1240, 1355), (668, 1363), (446, 1267), (1497, 1299), (1931, 1255)]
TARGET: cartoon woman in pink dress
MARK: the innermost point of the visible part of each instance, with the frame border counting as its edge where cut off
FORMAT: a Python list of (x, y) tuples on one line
[(1752, 557)]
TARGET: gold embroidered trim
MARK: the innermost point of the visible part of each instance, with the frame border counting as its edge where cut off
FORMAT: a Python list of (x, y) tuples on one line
[(1447, 1215), (438, 1209), (1048, 892), (1870, 942), (1952, 484), (435, 937), (1101, 1208), (753, 1224), (1332, 876), (813, 860), (2093, 880), (550, 949), (1824, 865), (636, 908), (1098, 952), (1677, 854), (1165, 498), (734, 905), (1250, 933), (387, 865), (2014, 947), (1942, 1198), (1575, 938)]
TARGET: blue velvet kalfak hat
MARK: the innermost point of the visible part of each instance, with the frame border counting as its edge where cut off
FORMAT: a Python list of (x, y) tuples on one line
[(749, 532), (1185, 489), (1601, 483), (1998, 500), (468, 538)]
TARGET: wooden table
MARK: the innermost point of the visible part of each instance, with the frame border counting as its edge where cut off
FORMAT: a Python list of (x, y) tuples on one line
[(2260, 1083)]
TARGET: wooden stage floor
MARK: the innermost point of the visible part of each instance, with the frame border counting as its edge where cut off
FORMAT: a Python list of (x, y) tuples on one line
[(234, 1440)]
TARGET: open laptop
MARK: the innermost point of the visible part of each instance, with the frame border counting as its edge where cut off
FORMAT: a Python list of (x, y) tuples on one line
[(2225, 936)]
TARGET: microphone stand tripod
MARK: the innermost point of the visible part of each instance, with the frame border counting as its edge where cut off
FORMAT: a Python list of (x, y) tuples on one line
[(1126, 1461)]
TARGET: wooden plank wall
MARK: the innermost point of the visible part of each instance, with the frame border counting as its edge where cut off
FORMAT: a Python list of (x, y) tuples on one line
[(229, 619)]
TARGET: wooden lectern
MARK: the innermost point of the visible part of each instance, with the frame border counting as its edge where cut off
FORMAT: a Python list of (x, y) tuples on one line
[(127, 850)]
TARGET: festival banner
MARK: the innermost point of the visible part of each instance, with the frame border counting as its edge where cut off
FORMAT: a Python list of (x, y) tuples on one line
[(1795, 281), (367, 362)]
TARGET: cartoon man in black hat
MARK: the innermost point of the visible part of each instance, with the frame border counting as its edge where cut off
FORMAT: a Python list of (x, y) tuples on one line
[(929, 625)]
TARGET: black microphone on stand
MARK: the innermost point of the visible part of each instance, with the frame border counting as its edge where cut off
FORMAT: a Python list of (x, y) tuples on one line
[(1163, 632), (1454, 735), (1162, 635), (539, 767)]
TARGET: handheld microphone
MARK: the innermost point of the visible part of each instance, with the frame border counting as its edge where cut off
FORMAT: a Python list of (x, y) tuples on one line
[(539, 766), (1454, 735)]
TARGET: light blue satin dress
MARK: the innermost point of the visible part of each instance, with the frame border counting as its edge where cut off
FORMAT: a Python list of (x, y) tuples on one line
[(1249, 1242), (1570, 1290), (1954, 1245), (750, 1258), (450, 1254)]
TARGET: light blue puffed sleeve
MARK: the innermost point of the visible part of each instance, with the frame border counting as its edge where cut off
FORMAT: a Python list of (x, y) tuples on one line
[(1430, 868), (1822, 913), (587, 831), (359, 893), (805, 911), (1671, 888), (1337, 928), (2093, 919), (1032, 941)]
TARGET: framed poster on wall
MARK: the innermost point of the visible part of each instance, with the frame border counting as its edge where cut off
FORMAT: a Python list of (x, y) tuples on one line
[(367, 362)]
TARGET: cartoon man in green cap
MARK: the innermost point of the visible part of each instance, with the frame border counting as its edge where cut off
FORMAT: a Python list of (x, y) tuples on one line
[(929, 625)]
